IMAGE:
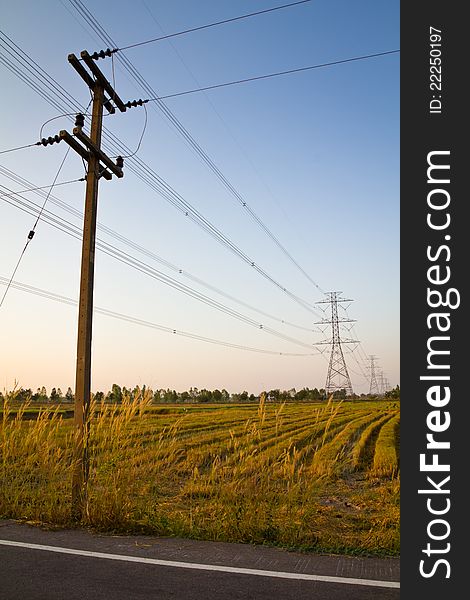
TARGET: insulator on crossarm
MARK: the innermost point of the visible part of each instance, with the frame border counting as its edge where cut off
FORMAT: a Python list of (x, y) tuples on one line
[(135, 103), (120, 162), (50, 140), (101, 54), (79, 120)]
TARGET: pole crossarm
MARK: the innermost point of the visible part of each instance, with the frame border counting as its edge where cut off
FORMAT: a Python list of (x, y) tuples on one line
[(72, 142), (101, 79), (78, 132)]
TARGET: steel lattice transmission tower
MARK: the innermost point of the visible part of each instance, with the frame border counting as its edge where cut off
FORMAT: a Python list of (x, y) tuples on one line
[(374, 386), (337, 377)]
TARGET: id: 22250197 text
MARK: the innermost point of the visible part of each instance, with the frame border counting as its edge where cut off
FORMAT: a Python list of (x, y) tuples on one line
[(435, 70)]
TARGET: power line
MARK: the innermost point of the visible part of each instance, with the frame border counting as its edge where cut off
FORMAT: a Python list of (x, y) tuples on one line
[(136, 165), (19, 148), (277, 74), (193, 29), (42, 187), (136, 321), (138, 265), (141, 135), (221, 119), (70, 209), (101, 32), (33, 230)]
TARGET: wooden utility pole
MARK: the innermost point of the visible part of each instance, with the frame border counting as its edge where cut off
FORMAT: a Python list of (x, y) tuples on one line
[(90, 150)]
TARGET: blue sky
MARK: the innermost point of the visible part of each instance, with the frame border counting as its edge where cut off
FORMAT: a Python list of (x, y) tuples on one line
[(314, 154)]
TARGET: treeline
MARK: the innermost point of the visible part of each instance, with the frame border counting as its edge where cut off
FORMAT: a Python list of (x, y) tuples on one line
[(194, 395)]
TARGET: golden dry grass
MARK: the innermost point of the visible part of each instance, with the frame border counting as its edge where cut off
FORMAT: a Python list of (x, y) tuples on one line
[(280, 474)]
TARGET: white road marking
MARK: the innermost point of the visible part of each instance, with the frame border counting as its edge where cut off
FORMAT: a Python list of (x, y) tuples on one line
[(205, 567)]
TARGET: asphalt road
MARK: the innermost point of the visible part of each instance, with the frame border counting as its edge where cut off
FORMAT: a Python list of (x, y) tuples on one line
[(76, 565)]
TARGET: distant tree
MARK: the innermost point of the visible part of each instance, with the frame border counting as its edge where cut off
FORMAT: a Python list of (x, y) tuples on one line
[(69, 397), (393, 394), (301, 395), (60, 395), (204, 396), (54, 396), (99, 396), (240, 397), (169, 396), (43, 395), (116, 393), (217, 396), (23, 395), (273, 395)]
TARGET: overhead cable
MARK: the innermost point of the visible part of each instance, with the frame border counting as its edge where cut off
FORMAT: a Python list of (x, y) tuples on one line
[(277, 74), (33, 230), (125, 258), (136, 321), (19, 148), (193, 29), (132, 244), (101, 32), (135, 164)]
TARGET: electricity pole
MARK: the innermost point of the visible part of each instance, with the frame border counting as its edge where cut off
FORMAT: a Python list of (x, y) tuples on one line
[(98, 165)]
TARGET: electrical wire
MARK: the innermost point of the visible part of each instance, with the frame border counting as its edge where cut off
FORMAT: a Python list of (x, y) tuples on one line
[(142, 135), (136, 321), (19, 148), (222, 120), (54, 118), (193, 29), (136, 165), (101, 32), (138, 265), (42, 187), (277, 74), (70, 209), (33, 230)]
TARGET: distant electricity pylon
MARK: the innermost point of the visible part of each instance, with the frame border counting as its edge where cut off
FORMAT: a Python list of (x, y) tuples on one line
[(374, 385), (338, 377)]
